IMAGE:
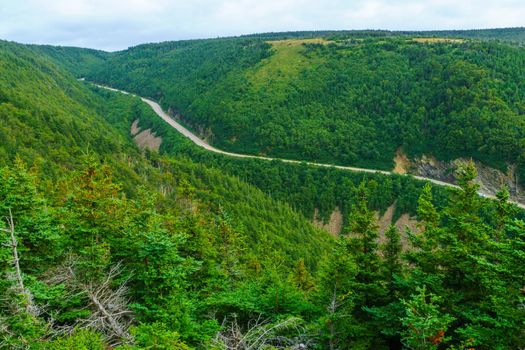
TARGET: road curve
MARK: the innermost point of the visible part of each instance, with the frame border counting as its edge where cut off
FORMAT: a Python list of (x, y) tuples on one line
[(201, 143)]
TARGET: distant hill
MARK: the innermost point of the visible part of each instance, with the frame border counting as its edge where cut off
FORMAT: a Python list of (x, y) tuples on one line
[(516, 35), (504, 34), (76, 60), (351, 98)]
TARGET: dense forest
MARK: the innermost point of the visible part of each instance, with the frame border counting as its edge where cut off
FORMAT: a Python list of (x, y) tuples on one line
[(512, 35), (338, 98), (105, 245), (305, 188), (68, 177)]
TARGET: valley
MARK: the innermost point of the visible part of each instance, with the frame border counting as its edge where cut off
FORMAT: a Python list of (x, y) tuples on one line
[(276, 191), (201, 143)]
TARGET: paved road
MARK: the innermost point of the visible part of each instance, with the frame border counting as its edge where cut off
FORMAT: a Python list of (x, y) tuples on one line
[(199, 142)]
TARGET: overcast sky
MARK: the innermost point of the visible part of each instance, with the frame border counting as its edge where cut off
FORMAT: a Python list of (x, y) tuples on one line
[(117, 24)]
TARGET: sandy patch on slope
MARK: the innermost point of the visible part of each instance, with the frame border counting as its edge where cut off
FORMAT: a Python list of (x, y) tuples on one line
[(334, 225), (145, 138)]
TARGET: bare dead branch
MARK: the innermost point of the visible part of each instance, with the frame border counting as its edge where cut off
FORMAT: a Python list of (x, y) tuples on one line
[(260, 334), (110, 314), (18, 287)]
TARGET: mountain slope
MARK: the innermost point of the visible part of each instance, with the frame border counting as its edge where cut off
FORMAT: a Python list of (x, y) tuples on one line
[(309, 189), (129, 249), (82, 193), (345, 100), (50, 120), (513, 35), (47, 116), (78, 61)]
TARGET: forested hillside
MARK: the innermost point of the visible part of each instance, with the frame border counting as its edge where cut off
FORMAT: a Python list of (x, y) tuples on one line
[(78, 61), (82, 196), (339, 99), (513, 35), (51, 122), (516, 35), (305, 188), (105, 245)]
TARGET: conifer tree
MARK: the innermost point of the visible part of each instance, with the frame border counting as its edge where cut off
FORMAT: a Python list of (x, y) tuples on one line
[(391, 250), (387, 315), (369, 287), (425, 326), (505, 211), (93, 217), (362, 238), (337, 296), (426, 212), (302, 278)]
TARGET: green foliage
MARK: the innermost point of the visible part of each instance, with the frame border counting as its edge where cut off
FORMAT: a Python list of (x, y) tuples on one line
[(181, 234), (77, 60), (456, 259), (337, 279), (79, 340), (156, 336), (48, 119), (190, 249), (391, 251), (516, 35), (426, 211), (340, 98), (303, 187), (302, 279), (425, 325), (504, 34)]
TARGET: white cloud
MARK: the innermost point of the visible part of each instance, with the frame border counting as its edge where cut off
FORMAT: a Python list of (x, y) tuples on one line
[(116, 24)]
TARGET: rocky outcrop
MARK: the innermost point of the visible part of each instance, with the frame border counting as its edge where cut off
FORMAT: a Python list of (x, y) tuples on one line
[(491, 180), (402, 164), (433, 168)]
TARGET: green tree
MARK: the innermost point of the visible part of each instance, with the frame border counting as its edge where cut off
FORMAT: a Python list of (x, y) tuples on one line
[(362, 236), (302, 278), (426, 211), (337, 295), (369, 286), (391, 251), (387, 315), (425, 325)]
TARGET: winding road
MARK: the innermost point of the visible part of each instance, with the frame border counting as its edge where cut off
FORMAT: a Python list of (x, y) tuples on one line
[(201, 143)]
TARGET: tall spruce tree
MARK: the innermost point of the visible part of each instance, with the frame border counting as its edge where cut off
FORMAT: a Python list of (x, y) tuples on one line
[(369, 287), (337, 296)]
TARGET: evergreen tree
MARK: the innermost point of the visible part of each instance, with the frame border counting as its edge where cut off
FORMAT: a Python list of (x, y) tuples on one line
[(93, 212), (362, 237), (457, 261), (391, 251), (369, 287), (505, 211), (337, 296), (387, 316), (426, 212), (302, 278), (425, 325)]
